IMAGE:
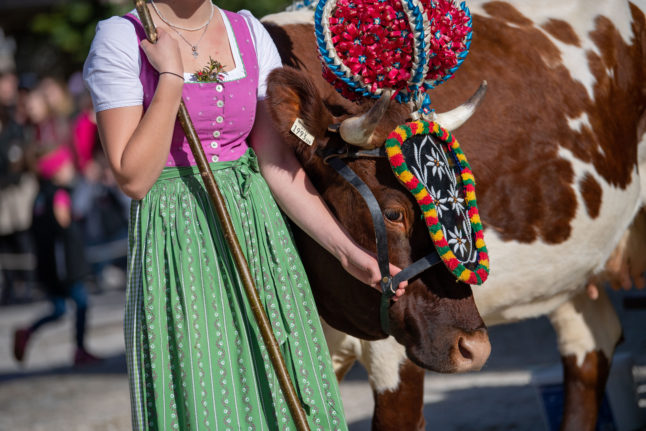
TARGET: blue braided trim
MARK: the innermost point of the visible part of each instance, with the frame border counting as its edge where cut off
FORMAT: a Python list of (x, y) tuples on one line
[(418, 75), (412, 89), (415, 83), (429, 85), (325, 54)]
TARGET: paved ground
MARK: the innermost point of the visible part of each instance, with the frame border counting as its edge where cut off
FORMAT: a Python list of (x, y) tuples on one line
[(513, 392)]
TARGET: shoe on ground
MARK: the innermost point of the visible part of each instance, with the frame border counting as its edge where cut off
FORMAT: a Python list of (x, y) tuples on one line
[(20, 340), (83, 357)]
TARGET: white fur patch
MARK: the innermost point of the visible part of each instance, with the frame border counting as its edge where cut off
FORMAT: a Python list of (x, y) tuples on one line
[(382, 359), (581, 15), (344, 349), (577, 124), (529, 280), (584, 325), (284, 18), (641, 156)]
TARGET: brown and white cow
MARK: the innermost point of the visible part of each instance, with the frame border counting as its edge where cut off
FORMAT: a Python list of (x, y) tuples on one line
[(437, 322), (556, 150)]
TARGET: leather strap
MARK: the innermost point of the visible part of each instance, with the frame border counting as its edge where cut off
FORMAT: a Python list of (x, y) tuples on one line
[(375, 212), (417, 267), (388, 283)]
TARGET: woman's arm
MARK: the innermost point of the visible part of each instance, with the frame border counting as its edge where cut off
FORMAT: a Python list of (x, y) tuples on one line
[(137, 146), (299, 199)]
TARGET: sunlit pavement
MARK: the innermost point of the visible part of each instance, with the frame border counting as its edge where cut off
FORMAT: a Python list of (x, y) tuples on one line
[(515, 391)]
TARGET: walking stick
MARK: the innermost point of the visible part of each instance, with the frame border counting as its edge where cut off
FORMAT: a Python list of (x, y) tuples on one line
[(298, 414)]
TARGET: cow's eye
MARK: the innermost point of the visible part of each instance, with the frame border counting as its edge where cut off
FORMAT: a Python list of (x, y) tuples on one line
[(394, 215)]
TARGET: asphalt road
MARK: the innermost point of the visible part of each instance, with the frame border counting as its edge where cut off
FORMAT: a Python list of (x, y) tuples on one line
[(517, 390)]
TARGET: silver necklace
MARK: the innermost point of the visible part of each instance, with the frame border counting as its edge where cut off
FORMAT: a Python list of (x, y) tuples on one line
[(173, 26), (193, 47)]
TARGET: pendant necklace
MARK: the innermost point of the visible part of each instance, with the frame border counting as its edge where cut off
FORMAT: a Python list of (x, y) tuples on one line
[(193, 47)]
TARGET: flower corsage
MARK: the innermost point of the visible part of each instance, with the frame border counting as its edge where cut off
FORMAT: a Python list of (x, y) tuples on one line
[(210, 73)]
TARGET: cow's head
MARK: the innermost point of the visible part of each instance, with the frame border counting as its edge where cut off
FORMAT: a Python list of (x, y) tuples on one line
[(437, 319)]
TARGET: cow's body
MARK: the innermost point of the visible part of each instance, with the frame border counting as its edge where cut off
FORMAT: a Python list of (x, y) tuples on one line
[(555, 151), (554, 146)]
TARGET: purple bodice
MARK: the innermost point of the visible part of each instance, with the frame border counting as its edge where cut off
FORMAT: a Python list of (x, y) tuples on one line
[(222, 113)]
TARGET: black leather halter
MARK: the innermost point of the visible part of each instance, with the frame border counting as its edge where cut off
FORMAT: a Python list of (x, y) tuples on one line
[(388, 283)]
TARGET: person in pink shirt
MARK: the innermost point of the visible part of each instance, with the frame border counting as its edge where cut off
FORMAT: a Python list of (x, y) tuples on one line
[(84, 134), (61, 264)]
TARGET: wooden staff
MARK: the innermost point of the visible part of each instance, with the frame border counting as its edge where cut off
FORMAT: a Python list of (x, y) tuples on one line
[(298, 414)]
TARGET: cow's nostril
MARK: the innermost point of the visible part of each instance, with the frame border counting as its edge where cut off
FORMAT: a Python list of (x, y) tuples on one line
[(464, 350), (473, 349)]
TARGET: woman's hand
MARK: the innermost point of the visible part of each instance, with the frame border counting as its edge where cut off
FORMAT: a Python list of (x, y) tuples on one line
[(363, 266), (164, 54)]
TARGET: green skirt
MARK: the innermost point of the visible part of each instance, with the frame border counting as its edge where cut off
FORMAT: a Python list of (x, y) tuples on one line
[(196, 359)]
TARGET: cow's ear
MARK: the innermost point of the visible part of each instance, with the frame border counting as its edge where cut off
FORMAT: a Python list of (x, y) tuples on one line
[(294, 102)]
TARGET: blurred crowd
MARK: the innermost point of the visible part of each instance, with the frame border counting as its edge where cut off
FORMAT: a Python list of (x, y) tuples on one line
[(49, 141)]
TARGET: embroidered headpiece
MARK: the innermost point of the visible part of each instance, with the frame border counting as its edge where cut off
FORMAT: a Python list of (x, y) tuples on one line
[(429, 162), (411, 46)]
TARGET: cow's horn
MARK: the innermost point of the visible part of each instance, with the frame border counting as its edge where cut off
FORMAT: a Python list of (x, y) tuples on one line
[(358, 130), (455, 118)]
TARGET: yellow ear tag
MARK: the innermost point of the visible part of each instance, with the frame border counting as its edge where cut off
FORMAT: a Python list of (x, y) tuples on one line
[(299, 129)]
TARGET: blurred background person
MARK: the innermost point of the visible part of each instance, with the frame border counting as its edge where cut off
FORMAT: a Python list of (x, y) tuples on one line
[(99, 205), (61, 263), (49, 107), (84, 129), (17, 191)]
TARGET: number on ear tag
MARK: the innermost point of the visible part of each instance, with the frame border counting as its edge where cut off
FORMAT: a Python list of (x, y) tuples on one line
[(299, 129)]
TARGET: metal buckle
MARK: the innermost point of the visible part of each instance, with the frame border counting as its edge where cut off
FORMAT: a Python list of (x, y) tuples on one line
[(387, 286)]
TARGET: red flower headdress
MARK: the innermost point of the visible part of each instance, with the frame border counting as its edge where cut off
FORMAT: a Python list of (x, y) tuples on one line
[(407, 45)]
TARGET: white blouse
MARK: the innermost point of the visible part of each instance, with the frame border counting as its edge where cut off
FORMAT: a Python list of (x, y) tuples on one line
[(111, 70)]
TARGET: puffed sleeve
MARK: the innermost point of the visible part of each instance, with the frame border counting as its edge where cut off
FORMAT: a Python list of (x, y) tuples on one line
[(268, 57), (111, 70)]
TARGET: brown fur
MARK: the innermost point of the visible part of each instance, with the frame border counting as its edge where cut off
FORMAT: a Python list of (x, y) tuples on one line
[(401, 409), (562, 31), (525, 191), (507, 13), (584, 388), (592, 195)]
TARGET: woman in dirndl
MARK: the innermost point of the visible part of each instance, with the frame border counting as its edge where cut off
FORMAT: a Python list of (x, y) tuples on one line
[(195, 356)]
